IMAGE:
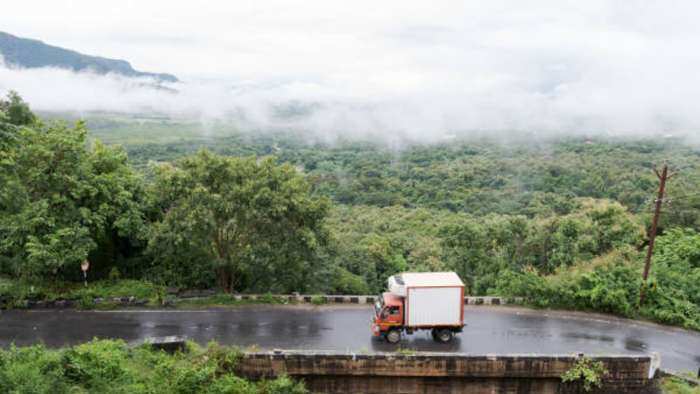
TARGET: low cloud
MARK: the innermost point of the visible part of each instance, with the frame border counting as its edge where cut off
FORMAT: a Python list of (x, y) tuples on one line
[(542, 68)]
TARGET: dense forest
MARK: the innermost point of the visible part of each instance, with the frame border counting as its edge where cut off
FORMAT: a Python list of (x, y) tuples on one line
[(563, 222)]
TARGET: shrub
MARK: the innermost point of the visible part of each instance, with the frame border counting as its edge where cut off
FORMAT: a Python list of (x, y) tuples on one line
[(224, 358), (31, 370), (123, 288), (109, 366), (268, 298), (586, 372), (86, 301), (188, 378), (230, 384), (318, 300), (282, 385), (611, 284), (114, 274), (97, 364)]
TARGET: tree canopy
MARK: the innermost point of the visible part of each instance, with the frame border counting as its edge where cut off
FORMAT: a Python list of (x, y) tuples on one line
[(61, 197), (251, 222), (561, 222)]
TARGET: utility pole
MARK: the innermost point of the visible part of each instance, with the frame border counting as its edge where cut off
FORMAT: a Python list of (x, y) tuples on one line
[(663, 177)]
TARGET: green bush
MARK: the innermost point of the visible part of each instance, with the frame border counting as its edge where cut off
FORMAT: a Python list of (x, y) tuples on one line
[(268, 298), (586, 372), (611, 284), (86, 301), (32, 369), (231, 385), (673, 294), (318, 300), (282, 385), (97, 364), (108, 366), (114, 274), (123, 288)]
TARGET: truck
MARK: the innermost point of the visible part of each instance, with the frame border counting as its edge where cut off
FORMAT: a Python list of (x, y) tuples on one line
[(420, 301)]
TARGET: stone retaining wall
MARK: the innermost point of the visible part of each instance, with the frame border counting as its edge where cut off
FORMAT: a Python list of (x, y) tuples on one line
[(326, 372)]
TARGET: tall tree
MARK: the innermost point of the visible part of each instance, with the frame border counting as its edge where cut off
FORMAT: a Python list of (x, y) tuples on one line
[(253, 223), (16, 111), (59, 196)]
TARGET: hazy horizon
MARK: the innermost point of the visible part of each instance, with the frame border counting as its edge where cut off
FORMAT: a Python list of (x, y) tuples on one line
[(406, 69)]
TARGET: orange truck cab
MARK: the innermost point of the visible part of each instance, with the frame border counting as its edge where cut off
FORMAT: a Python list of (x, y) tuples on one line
[(388, 314), (420, 301)]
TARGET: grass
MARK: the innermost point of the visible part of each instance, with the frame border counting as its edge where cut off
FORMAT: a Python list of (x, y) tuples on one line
[(118, 289), (16, 292), (406, 351), (671, 385), (222, 300)]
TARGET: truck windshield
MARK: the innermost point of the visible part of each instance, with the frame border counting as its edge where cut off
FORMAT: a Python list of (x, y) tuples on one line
[(379, 305)]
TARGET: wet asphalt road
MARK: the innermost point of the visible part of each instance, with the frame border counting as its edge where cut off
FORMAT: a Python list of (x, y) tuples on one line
[(346, 328)]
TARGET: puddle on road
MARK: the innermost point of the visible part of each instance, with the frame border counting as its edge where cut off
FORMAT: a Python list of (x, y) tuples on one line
[(577, 335), (635, 345)]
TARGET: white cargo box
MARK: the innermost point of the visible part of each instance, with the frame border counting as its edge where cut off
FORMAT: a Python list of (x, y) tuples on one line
[(431, 298)]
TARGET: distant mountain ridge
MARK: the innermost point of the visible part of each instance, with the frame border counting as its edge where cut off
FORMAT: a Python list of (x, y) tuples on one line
[(29, 53)]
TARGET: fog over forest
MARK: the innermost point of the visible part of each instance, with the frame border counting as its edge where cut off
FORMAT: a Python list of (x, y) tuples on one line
[(397, 70)]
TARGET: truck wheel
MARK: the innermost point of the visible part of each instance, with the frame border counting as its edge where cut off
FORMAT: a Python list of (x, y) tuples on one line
[(393, 336), (443, 335)]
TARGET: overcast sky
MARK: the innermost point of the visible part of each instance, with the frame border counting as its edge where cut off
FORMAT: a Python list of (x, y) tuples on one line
[(555, 65)]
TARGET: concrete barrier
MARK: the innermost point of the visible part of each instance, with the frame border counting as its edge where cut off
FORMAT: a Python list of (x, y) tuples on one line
[(367, 299), (327, 372), (203, 294), (169, 344), (353, 299)]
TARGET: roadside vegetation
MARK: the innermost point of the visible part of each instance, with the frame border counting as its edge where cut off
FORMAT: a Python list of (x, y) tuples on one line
[(15, 293), (586, 373), (672, 385), (560, 222), (110, 366)]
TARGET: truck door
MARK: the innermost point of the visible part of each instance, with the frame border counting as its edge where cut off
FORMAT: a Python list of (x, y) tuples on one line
[(395, 316)]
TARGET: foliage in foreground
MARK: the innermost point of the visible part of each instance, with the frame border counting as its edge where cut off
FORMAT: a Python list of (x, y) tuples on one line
[(109, 366), (586, 372)]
